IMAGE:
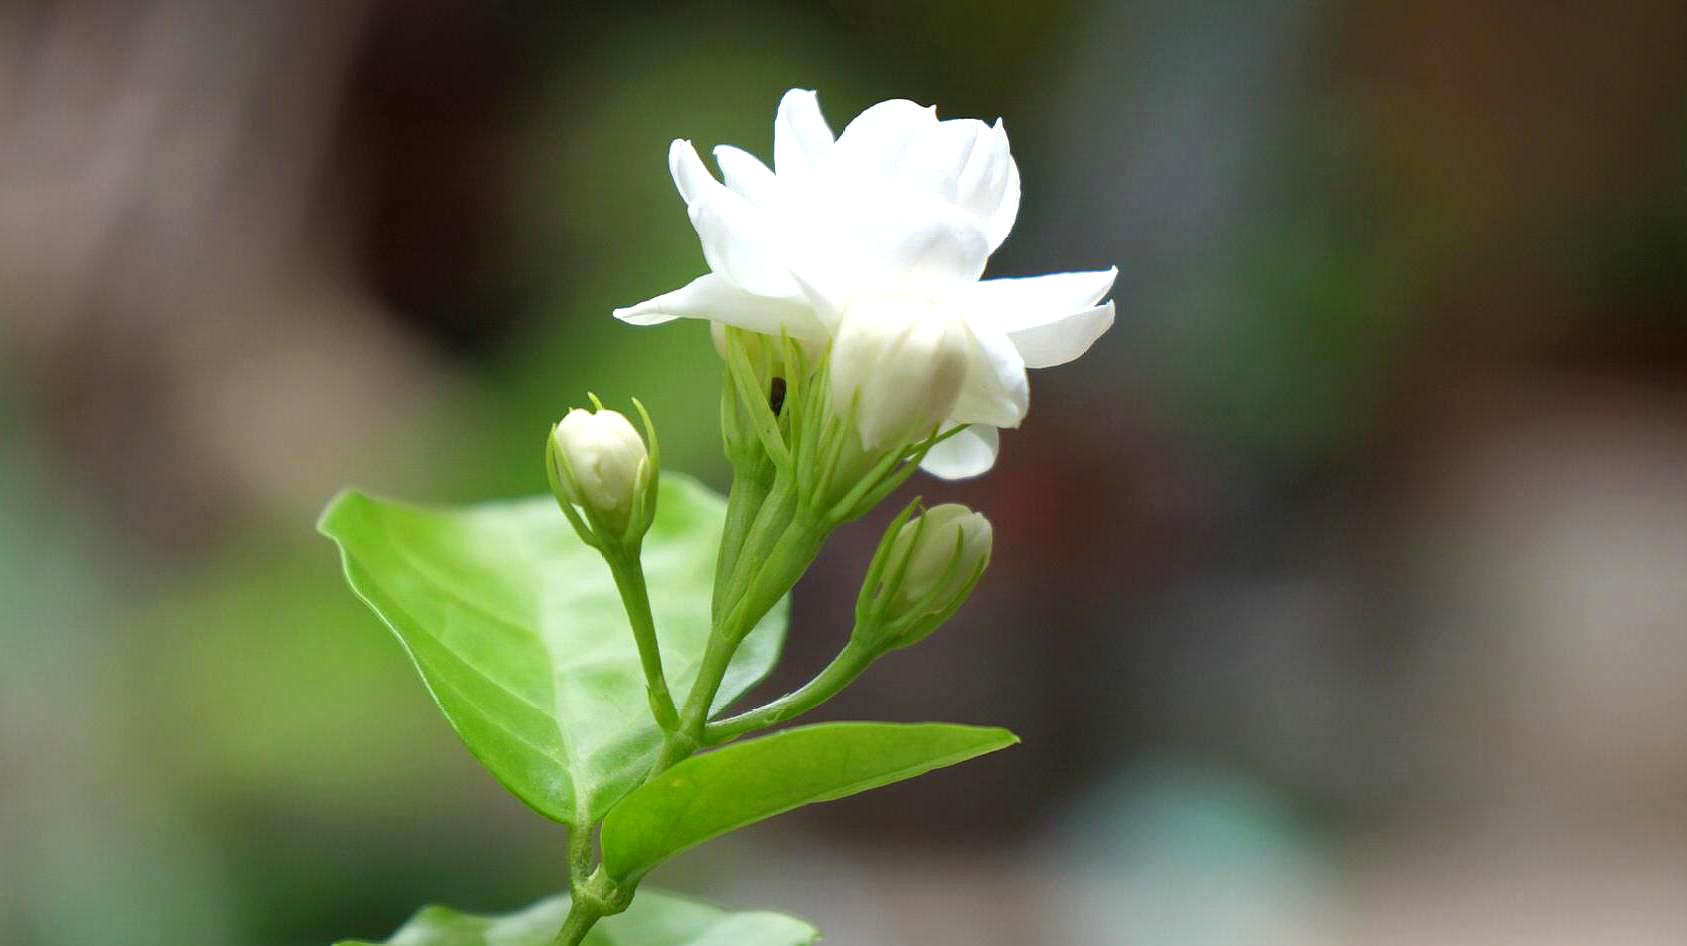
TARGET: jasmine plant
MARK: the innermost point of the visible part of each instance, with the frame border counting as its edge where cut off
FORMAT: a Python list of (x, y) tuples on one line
[(588, 647)]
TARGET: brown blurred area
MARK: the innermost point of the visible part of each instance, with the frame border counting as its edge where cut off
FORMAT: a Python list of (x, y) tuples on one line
[(1339, 591)]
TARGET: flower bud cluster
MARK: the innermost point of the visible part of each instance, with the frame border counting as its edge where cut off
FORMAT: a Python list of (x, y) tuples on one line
[(600, 468), (848, 421)]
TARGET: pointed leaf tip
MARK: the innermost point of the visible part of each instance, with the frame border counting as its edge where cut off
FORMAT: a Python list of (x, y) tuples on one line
[(735, 786)]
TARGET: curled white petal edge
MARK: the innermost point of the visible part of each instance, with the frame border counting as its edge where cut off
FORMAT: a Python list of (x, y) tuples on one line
[(998, 223), (801, 136), (691, 177), (971, 452), (1062, 340), (746, 176), (710, 296), (1021, 302)]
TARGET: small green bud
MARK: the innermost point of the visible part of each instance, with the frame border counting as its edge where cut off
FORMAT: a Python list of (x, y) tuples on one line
[(924, 571), (600, 464)]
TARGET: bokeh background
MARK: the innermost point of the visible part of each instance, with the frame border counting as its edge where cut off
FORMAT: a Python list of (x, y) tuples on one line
[(1341, 590)]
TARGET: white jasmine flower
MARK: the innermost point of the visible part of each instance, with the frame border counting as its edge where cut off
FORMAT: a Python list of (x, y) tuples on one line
[(900, 211)]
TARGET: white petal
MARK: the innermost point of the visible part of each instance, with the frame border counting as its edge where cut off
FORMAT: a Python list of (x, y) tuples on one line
[(1029, 301), (871, 245), (900, 369), (996, 391), (741, 243), (711, 297), (801, 136), (824, 259), (989, 184), (747, 176), (939, 247), (984, 176), (969, 453), (878, 141), (691, 178), (823, 289), (1064, 339), (936, 160), (1051, 319)]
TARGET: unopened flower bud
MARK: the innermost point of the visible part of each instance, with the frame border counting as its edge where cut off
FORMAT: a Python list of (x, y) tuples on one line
[(923, 572), (898, 365), (942, 548), (601, 465)]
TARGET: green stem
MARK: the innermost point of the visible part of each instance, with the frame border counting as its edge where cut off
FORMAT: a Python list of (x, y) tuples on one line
[(635, 596), (840, 673), (688, 737), (579, 859), (770, 541), (582, 915), (750, 487), (590, 900), (772, 516), (776, 560)]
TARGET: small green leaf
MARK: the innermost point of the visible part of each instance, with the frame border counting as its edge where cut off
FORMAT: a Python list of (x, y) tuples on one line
[(708, 795), (518, 632), (654, 919)]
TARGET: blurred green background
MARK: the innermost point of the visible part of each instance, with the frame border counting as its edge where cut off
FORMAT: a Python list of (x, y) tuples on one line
[(1340, 593)]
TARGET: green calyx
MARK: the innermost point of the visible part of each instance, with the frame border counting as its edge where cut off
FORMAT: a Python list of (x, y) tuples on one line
[(778, 415)]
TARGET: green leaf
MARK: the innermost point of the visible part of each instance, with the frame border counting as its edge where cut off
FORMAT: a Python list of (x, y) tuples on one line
[(708, 795), (654, 919), (519, 634)]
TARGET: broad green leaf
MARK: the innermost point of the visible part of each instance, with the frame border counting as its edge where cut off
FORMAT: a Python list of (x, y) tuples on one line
[(654, 919), (519, 634), (708, 795)]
